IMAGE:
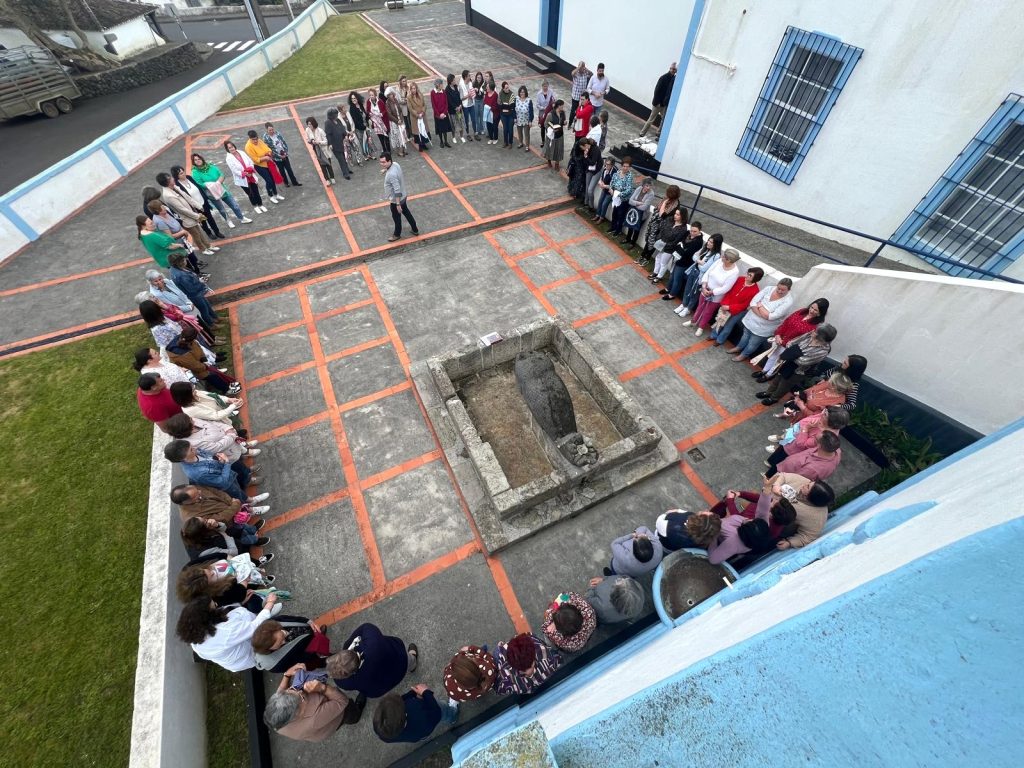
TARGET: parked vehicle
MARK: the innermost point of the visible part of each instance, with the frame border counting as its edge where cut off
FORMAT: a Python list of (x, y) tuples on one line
[(33, 81)]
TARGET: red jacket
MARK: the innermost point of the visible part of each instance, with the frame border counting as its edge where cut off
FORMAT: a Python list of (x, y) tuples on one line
[(159, 407), (739, 296), (793, 326), (585, 110), (439, 103)]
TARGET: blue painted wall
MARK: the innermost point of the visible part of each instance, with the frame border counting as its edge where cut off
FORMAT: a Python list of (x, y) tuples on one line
[(921, 667)]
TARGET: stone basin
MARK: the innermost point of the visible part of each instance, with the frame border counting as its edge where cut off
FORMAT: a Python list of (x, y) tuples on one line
[(685, 579)]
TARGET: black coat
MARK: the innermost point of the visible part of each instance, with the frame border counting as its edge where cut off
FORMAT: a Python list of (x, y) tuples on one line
[(335, 130), (663, 90)]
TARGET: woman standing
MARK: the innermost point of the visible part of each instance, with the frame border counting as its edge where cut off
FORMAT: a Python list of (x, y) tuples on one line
[(554, 129), (442, 119), (451, 93), (717, 283), (397, 134), (479, 88), (762, 318), (357, 115), (158, 244), (262, 157), (467, 92), (524, 118), (279, 153), (577, 168), (318, 140), (418, 115), (208, 177), (377, 118), (671, 232), (244, 175), (491, 113), (703, 260), (507, 112), (195, 195), (402, 95), (353, 147)]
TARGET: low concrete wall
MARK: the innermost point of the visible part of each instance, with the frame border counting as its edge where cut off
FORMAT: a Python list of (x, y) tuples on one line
[(43, 201), (950, 343), (169, 719)]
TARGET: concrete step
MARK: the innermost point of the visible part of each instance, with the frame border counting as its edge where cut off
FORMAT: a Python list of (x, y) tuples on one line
[(545, 57), (539, 66)]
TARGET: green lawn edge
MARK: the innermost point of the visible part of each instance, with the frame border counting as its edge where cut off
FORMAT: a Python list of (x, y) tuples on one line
[(346, 53)]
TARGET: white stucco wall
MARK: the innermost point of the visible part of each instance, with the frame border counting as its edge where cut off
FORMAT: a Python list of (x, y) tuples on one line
[(654, 30), (951, 343), (519, 16), (133, 37), (927, 82), (971, 495)]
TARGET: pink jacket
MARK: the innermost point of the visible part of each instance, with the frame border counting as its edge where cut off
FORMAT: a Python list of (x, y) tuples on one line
[(810, 465)]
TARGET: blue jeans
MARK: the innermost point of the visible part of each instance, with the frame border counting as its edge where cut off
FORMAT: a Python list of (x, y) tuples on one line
[(691, 293), (507, 128), (205, 310), (606, 200), (230, 201), (478, 110), (469, 114), (619, 217), (247, 538), (723, 335), (749, 344), (677, 281), (268, 179), (242, 473)]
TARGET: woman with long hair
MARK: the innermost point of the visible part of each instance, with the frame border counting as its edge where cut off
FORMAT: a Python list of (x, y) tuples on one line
[(798, 324), (397, 124), (451, 93), (243, 173), (377, 118), (357, 114), (442, 119), (208, 406), (222, 635), (208, 177), (418, 117), (317, 139)]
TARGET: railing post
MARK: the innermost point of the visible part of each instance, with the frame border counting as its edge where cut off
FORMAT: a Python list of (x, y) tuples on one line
[(700, 191), (874, 255)]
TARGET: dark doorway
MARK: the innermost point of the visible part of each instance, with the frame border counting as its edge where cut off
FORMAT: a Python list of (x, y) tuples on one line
[(554, 16)]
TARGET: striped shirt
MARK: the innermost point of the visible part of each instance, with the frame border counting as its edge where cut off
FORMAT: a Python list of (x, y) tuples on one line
[(811, 354), (579, 83), (511, 680)]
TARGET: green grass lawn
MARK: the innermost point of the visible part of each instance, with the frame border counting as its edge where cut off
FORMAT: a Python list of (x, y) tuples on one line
[(74, 487), (346, 53)]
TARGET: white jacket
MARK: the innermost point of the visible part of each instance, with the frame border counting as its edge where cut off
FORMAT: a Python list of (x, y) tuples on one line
[(236, 167), (192, 192), (720, 281)]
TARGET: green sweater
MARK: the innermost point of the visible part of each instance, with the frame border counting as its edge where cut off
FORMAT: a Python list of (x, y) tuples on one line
[(159, 246), (203, 176)]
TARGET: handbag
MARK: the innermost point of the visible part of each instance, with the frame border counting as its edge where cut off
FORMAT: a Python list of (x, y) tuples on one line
[(216, 189), (551, 132), (488, 114), (659, 244), (321, 154), (421, 128)]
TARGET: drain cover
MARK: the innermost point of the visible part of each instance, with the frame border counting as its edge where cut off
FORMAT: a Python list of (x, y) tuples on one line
[(695, 454)]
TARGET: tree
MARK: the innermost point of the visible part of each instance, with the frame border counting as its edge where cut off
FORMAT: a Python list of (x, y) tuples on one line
[(85, 59)]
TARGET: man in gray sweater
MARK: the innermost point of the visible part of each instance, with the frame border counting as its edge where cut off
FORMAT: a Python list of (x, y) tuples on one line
[(635, 553), (394, 188)]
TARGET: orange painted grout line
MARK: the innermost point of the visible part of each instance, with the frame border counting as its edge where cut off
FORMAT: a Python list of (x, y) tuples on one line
[(403, 582), (271, 331), (451, 187), (527, 254), (274, 230), (723, 426), (500, 176), (603, 314), (78, 276), (640, 370), (508, 594), (83, 327), (385, 204), (284, 373), (344, 451), (348, 351), (692, 349), (400, 469), (380, 394), (306, 509), (385, 316), (294, 426), (558, 283), (518, 271), (340, 310), (238, 366), (311, 99), (429, 70), (709, 496)]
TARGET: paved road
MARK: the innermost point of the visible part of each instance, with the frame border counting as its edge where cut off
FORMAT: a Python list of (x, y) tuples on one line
[(35, 143)]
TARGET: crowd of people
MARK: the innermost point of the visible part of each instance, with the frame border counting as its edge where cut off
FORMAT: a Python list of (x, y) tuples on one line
[(232, 610)]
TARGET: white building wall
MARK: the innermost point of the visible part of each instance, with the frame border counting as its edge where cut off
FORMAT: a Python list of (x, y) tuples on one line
[(133, 37), (636, 40), (926, 84), (520, 16), (924, 336)]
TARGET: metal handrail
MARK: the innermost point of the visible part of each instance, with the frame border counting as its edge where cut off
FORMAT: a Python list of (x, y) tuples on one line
[(881, 241)]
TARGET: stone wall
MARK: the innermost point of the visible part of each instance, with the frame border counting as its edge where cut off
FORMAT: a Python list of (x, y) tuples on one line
[(170, 61)]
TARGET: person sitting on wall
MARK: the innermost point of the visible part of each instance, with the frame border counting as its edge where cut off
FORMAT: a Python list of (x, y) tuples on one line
[(615, 599), (311, 712), (815, 463), (635, 554), (679, 529), (813, 498), (222, 635), (781, 516), (524, 663), (371, 662), (569, 622), (288, 640)]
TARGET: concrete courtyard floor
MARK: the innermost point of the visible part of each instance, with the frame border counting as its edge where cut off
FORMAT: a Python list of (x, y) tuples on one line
[(327, 320)]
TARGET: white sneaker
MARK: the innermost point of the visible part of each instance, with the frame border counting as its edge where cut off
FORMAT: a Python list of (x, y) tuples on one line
[(253, 452), (260, 510), (700, 332), (231, 224), (280, 197), (208, 252), (688, 323), (214, 248), (769, 449), (246, 220), (773, 438), (273, 199), (252, 443), (261, 209), (463, 139), (223, 370), (682, 311), (259, 498)]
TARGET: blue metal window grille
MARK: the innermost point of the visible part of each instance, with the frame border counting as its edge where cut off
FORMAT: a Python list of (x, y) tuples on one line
[(803, 83), (974, 213)]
